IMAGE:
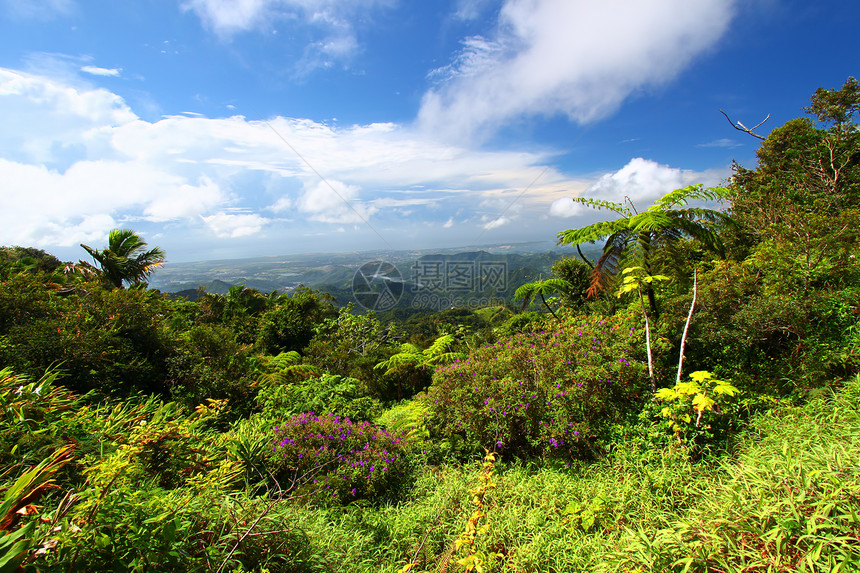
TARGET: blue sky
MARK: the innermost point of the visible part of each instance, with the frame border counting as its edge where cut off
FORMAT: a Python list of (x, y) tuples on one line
[(222, 129)]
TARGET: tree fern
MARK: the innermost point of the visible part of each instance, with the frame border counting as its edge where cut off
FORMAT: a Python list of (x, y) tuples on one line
[(634, 239), (528, 291)]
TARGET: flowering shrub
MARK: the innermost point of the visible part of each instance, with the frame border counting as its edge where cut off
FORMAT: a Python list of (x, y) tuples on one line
[(545, 393), (335, 459)]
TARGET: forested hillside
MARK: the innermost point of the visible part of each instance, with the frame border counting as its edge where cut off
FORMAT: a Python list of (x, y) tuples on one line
[(686, 401)]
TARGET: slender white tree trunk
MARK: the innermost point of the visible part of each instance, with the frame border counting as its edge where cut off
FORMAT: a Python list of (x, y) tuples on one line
[(648, 341), (687, 326)]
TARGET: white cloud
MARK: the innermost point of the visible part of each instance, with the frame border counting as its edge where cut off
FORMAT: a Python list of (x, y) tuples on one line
[(281, 205), (565, 207), (495, 223), (642, 181), (55, 122), (470, 9), (723, 142), (233, 225), (334, 202), (78, 162), (332, 23), (97, 71), (230, 16), (575, 57)]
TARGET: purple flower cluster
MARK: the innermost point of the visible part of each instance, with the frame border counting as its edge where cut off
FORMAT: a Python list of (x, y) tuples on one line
[(336, 457), (541, 393)]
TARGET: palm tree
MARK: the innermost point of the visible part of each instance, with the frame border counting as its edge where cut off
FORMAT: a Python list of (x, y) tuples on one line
[(634, 238), (124, 260)]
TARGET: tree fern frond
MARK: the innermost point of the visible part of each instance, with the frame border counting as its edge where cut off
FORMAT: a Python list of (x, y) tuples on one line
[(605, 269), (684, 195), (439, 346), (396, 361), (286, 359), (650, 221), (594, 232), (445, 357), (600, 204), (303, 370), (409, 348)]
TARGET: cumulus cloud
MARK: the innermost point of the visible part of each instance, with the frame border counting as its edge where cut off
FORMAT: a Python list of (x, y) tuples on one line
[(565, 207), (334, 202), (46, 120), (281, 205), (84, 163), (574, 57), (234, 225), (642, 181)]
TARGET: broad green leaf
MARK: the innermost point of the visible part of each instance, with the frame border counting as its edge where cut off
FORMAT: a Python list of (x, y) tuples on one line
[(665, 394), (701, 375), (726, 388), (703, 402), (688, 388)]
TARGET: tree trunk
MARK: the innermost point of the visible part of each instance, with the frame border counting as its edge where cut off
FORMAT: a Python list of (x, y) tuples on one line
[(548, 307), (687, 328), (648, 344), (652, 302)]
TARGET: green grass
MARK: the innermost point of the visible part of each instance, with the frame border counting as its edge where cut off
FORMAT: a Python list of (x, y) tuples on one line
[(787, 500)]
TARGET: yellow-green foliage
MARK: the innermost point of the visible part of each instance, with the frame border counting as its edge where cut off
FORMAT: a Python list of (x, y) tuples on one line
[(688, 402), (472, 558)]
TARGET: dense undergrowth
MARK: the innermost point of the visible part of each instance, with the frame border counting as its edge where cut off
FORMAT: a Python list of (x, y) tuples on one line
[(786, 499), (696, 412)]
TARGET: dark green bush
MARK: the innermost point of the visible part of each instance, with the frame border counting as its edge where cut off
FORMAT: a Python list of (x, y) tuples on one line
[(208, 362)]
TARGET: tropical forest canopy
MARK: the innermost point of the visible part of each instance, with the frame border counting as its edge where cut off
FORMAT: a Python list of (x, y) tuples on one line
[(686, 401)]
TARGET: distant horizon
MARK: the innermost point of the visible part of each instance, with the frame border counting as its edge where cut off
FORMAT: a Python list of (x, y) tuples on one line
[(224, 131)]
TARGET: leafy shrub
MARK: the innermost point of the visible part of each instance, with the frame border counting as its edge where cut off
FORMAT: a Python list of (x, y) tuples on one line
[(768, 337), (113, 342), (35, 419), (208, 362), (548, 393), (352, 345), (522, 322), (292, 324), (690, 410), (337, 460), (327, 393)]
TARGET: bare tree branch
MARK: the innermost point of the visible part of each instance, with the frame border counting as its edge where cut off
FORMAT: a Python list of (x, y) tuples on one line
[(750, 130)]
